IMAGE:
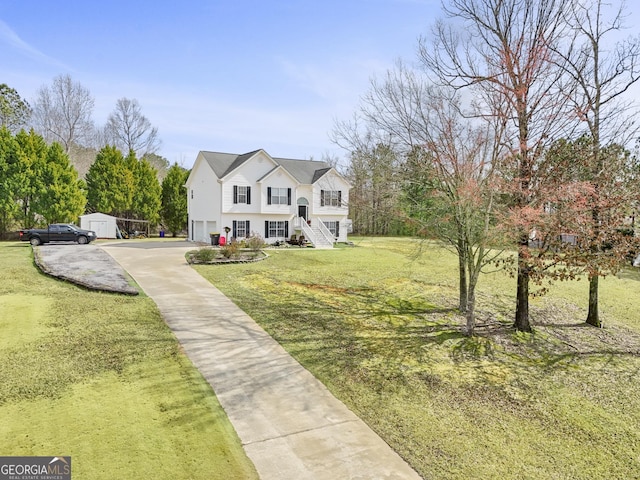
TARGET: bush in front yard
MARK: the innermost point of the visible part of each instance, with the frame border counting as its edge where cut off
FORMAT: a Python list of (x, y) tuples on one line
[(204, 255), (255, 242), (230, 249)]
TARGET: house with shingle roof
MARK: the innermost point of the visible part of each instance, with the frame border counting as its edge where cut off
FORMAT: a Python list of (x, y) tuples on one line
[(276, 198)]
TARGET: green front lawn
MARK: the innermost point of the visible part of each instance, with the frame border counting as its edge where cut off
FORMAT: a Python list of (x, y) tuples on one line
[(380, 329), (101, 378)]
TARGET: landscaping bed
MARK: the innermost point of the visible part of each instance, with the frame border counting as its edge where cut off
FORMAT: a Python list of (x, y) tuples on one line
[(220, 256)]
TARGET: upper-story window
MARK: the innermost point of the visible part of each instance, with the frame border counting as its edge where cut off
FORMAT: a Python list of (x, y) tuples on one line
[(278, 196), (330, 198), (241, 194)]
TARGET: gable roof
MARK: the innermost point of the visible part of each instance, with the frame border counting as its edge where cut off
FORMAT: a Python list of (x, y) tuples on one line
[(276, 169), (304, 171), (223, 163)]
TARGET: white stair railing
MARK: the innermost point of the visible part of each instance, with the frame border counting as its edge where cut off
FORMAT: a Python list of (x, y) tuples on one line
[(308, 232), (318, 234), (326, 233)]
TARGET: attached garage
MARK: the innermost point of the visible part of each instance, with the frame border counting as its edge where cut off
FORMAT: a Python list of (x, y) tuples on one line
[(104, 225)]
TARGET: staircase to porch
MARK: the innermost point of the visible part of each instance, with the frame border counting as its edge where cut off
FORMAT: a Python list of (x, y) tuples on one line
[(316, 233)]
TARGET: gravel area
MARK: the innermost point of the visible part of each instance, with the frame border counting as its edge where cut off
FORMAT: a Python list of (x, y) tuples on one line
[(86, 265)]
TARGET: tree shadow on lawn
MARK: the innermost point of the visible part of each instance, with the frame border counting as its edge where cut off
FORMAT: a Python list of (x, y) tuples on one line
[(183, 399), (361, 326)]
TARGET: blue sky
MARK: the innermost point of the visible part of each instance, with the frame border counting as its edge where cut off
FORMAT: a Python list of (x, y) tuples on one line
[(225, 75)]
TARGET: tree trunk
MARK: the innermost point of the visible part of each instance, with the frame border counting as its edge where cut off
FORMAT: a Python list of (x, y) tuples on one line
[(462, 279), (471, 304), (522, 296), (593, 317)]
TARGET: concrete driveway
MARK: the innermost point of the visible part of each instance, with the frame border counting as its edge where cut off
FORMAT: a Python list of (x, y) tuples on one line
[(291, 426)]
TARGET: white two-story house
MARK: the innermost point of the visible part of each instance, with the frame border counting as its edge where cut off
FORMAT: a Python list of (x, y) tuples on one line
[(276, 198)]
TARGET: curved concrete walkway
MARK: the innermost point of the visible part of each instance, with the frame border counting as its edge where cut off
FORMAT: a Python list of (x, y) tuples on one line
[(289, 423)]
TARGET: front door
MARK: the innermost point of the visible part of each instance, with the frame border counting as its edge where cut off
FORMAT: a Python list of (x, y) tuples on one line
[(303, 211)]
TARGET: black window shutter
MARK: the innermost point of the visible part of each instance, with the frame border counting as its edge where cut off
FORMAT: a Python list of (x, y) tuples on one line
[(235, 229), (248, 195), (247, 229), (268, 195), (266, 229), (286, 229), (288, 196), (235, 194), (337, 229), (322, 198), (339, 198)]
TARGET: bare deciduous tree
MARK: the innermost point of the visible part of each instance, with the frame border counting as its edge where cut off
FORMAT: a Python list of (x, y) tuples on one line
[(130, 130), (504, 52), (448, 167), (372, 171), (62, 113)]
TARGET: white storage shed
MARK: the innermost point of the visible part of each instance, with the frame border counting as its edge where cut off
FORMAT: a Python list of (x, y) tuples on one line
[(104, 225)]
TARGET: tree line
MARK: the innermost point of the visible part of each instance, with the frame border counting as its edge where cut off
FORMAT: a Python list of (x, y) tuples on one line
[(63, 112), (55, 164), (510, 134), (39, 185)]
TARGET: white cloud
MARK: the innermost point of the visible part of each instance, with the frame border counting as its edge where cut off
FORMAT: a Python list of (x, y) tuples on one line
[(12, 38)]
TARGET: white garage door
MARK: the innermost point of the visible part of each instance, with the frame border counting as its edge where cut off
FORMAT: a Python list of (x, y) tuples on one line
[(199, 231)]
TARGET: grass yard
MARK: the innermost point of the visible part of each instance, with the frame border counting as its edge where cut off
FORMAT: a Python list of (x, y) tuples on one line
[(101, 378), (381, 331)]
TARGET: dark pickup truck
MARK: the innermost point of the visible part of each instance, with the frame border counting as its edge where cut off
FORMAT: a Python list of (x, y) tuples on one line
[(57, 232)]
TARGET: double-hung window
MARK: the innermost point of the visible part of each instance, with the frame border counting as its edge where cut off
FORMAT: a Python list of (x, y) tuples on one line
[(333, 227), (276, 229), (278, 196), (241, 194), (241, 228), (330, 198)]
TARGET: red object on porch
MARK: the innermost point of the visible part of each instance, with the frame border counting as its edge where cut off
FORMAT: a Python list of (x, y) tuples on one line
[(223, 241)]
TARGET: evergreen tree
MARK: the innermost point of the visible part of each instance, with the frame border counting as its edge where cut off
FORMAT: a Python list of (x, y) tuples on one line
[(9, 209), (110, 183), (174, 199), (61, 197), (32, 154), (147, 200), (14, 111)]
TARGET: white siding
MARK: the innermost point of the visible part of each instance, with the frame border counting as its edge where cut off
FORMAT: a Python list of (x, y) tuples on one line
[(203, 201), (256, 223), (278, 179), (331, 182), (247, 174), (104, 225)]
